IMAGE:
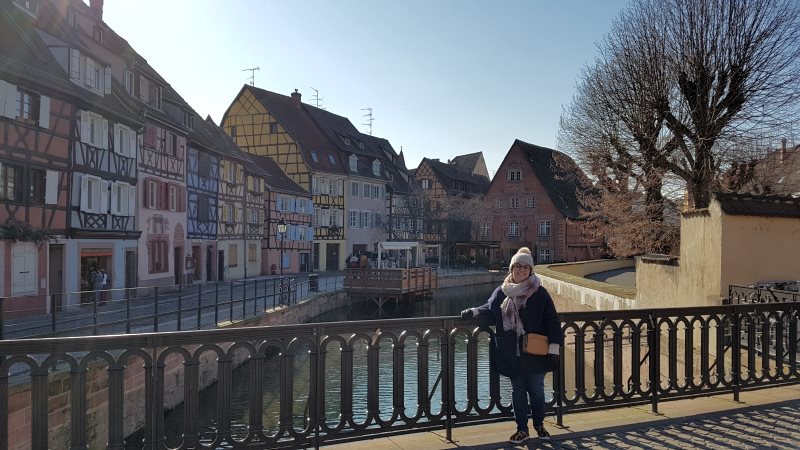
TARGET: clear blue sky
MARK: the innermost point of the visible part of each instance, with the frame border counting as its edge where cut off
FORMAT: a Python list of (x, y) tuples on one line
[(443, 77)]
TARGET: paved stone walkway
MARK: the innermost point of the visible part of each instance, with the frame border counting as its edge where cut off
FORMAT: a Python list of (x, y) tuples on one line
[(763, 419)]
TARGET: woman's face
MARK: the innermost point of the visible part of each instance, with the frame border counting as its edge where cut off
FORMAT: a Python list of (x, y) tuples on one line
[(520, 272)]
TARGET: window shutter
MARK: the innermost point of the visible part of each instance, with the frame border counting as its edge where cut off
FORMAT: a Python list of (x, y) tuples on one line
[(181, 199), (103, 197), (131, 201), (85, 129), (74, 64), (114, 203), (278, 203), (160, 190), (224, 215), (104, 137), (44, 111), (146, 193), (8, 93), (107, 81), (310, 233), (84, 192), (51, 187)]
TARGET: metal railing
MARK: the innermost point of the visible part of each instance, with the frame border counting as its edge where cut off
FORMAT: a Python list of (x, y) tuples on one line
[(154, 309), (345, 381)]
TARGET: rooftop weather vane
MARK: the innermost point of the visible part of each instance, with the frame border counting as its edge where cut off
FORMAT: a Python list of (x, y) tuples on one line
[(369, 117), (252, 74)]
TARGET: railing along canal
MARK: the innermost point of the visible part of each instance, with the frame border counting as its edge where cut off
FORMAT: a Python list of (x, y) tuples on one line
[(611, 358)]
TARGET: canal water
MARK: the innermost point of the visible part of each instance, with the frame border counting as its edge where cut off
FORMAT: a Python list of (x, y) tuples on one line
[(445, 302)]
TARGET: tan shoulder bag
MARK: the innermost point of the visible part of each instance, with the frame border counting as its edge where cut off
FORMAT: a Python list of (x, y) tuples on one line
[(534, 344)]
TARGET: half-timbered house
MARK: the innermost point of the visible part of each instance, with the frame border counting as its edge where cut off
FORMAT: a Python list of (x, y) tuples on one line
[(452, 202), (103, 229), (268, 124), (37, 110), (202, 187), (403, 204), (535, 203), (289, 252), (365, 187), (241, 211)]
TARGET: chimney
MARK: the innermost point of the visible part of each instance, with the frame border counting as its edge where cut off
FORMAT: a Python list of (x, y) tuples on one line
[(783, 149), (296, 97), (97, 8)]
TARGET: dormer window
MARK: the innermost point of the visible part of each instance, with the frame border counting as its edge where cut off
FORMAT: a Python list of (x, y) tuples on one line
[(360, 144), (85, 71), (314, 157), (346, 140), (129, 82), (97, 34), (30, 6), (188, 120), (331, 159), (155, 97), (353, 163), (72, 19), (376, 168)]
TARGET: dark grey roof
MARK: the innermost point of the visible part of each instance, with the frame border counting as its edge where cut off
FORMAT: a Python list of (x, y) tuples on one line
[(759, 205), (296, 120), (563, 180), (448, 172), (466, 163), (275, 177)]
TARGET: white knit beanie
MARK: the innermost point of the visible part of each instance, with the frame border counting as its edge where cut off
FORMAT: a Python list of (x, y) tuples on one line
[(523, 256)]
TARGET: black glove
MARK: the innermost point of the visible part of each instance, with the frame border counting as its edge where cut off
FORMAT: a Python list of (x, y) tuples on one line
[(467, 314), (553, 362)]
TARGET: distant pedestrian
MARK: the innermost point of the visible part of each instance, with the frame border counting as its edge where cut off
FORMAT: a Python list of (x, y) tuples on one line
[(352, 262), (362, 261), (105, 281), (96, 280)]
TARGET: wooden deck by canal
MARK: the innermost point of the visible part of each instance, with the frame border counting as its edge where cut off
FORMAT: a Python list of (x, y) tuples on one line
[(382, 285)]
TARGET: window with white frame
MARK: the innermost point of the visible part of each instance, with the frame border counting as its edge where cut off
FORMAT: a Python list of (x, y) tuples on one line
[(173, 198), (152, 194), (513, 229), (253, 215), (377, 219), (94, 194), (376, 192), (314, 156), (499, 203), (94, 129), (531, 202), (354, 188), (515, 202), (155, 96), (544, 228), (514, 175), (426, 183), (27, 105), (331, 159), (353, 219), (353, 160), (486, 229), (129, 81), (376, 168), (230, 213), (123, 199), (367, 190), (231, 172), (544, 256), (124, 141), (364, 222)]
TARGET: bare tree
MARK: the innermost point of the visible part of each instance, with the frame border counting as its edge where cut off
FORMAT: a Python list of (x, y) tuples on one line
[(680, 90)]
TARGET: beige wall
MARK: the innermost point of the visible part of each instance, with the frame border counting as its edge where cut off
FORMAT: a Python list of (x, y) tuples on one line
[(583, 268), (718, 250)]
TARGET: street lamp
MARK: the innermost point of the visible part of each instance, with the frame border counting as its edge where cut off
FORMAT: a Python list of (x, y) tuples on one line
[(282, 231)]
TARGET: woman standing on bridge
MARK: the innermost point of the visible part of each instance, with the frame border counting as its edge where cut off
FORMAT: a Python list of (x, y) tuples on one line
[(521, 306)]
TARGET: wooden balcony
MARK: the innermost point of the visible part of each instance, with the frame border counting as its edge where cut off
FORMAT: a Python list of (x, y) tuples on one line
[(390, 283)]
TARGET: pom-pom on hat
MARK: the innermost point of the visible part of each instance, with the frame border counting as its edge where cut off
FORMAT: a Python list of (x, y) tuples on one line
[(523, 256)]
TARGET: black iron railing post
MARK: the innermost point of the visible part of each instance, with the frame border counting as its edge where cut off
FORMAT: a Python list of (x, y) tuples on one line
[(128, 313), (155, 311), (199, 306), (180, 307), (94, 314), (216, 303), (736, 348), (654, 343), (448, 358), (230, 304)]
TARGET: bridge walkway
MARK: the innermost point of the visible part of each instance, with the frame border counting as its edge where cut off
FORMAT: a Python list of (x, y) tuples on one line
[(762, 419)]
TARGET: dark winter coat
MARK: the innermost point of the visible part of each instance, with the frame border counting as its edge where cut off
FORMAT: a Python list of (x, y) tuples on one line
[(538, 316)]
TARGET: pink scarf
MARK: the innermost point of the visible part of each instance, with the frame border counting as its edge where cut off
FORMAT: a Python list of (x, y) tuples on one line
[(516, 296)]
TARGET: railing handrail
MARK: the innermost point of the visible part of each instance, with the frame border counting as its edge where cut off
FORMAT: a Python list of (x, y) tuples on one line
[(750, 346)]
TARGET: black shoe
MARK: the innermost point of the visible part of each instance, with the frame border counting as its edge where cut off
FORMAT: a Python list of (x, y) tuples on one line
[(519, 437), (543, 434)]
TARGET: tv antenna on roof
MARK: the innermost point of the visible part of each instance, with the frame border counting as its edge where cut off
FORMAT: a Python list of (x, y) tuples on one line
[(369, 117), (317, 99), (252, 74)]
